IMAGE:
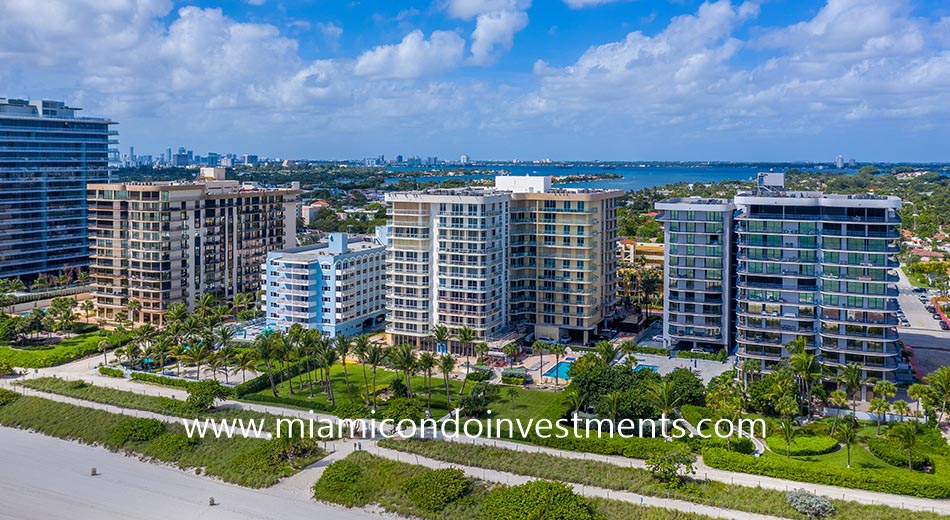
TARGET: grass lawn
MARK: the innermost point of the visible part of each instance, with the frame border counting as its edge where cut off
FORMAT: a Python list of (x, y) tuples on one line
[(383, 378), (59, 353), (529, 404), (916, 279)]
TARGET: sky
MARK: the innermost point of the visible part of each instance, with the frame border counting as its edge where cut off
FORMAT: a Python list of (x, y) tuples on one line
[(769, 80)]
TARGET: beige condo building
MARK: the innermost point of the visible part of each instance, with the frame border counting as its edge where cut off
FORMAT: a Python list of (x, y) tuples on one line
[(521, 257), (163, 243)]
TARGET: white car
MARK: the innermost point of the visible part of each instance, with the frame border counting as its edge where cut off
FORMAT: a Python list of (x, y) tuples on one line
[(658, 337)]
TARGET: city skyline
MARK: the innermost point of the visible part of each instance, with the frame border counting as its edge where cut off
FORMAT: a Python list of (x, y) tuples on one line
[(576, 80)]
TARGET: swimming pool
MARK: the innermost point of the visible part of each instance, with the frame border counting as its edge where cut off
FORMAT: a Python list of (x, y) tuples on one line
[(654, 368), (559, 369)]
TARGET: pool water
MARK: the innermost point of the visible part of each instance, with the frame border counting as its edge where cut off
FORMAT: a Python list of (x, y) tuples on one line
[(560, 369), (654, 368)]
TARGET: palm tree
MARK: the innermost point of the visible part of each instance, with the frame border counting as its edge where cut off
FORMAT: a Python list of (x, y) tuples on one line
[(513, 394), (441, 335), (558, 349), (838, 399), (87, 306), (629, 349), (511, 351), (244, 360), (426, 365), (327, 357), (539, 346), (885, 389), (160, 349), (446, 365), (905, 434), (205, 305), (918, 392), (360, 346), (375, 355), (612, 404), (787, 428), (607, 351), (806, 368), (662, 395), (296, 349), (343, 345), (466, 335), (177, 313), (104, 345), (197, 354), (574, 400), (749, 367), (939, 381), (880, 407), (848, 435), (901, 408), (852, 379), (133, 306), (404, 360), (264, 351)]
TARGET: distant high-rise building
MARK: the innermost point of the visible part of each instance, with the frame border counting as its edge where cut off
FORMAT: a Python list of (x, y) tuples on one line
[(168, 155), (48, 156), (163, 243), (839, 162), (463, 159), (250, 160), (398, 158), (851, 163)]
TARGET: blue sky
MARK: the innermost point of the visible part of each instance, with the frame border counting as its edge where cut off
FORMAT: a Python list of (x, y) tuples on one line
[(502, 79)]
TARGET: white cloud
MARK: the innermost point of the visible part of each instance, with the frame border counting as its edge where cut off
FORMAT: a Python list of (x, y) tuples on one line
[(331, 33), (413, 57), (580, 4), (496, 22), (494, 33)]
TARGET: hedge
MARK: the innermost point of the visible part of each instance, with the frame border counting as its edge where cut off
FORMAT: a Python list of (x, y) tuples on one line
[(656, 351), (804, 446), (111, 372), (889, 452), (512, 380), (289, 401), (477, 376), (634, 448), (145, 377), (263, 381), (915, 484), (686, 354)]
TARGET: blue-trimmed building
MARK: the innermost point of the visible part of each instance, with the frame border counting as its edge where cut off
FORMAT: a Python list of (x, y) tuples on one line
[(337, 286), (48, 154)]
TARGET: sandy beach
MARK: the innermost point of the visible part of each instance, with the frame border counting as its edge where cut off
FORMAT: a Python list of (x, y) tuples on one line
[(44, 478)]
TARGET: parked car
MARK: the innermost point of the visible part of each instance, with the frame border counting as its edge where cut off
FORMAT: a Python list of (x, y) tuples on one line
[(565, 339), (936, 316), (944, 326), (920, 289), (658, 337)]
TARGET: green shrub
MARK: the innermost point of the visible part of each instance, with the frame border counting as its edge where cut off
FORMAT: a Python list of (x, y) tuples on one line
[(512, 380), (804, 446), (809, 504), (170, 446), (916, 484), (263, 381), (686, 354), (477, 376), (7, 396), (135, 430), (62, 352), (340, 484), (434, 490), (173, 382), (289, 401), (657, 351), (203, 395), (889, 452), (635, 448), (111, 372), (538, 499)]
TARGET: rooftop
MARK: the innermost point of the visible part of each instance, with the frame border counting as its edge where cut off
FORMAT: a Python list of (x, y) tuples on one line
[(309, 253)]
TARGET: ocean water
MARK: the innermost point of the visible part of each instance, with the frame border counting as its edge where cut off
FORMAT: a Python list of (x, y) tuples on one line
[(633, 177)]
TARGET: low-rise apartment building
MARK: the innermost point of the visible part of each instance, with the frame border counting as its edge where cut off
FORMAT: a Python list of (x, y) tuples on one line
[(336, 287)]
